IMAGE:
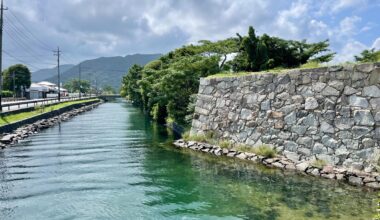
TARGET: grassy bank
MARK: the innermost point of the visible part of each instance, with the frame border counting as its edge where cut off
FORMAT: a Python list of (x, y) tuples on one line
[(279, 70), (38, 110)]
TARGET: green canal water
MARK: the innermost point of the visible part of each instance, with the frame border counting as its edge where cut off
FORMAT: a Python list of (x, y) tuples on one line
[(112, 163)]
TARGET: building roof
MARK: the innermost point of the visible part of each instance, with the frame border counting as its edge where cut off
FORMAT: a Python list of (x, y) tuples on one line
[(46, 83), (38, 87)]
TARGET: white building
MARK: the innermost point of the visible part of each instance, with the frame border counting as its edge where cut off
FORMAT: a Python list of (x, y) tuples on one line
[(44, 89)]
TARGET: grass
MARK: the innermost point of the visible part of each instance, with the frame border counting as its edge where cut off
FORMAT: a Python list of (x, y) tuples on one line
[(262, 150), (225, 144), (198, 138), (209, 137), (308, 65), (37, 111), (318, 163)]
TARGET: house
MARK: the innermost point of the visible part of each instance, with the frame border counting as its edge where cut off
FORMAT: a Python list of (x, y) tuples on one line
[(37, 91), (44, 89)]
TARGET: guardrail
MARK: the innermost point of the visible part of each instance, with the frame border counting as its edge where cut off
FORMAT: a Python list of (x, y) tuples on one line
[(12, 99), (34, 102)]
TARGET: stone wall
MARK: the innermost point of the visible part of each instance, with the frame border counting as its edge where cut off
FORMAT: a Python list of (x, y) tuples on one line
[(330, 113)]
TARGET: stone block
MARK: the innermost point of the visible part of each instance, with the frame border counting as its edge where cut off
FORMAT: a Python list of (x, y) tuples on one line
[(360, 131), (351, 144), (330, 91), (375, 103), (338, 85), (299, 129), (306, 141), (371, 91), (319, 86), (349, 90), (364, 117), (302, 166), (266, 105), (293, 156), (365, 68), (357, 101), (344, 123), (327, 128), (319, 149), (330, 142), (374, 78), (355, 180), (311, 103), (290, 146), (291, 118)]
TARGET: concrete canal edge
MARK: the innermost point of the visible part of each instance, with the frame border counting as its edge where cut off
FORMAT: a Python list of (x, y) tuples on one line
[(351, 176), (13, 132)]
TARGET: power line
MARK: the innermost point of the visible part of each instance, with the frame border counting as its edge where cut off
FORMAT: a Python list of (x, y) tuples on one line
[(20, 60), (25, 50), (47, 47), (21, 41)]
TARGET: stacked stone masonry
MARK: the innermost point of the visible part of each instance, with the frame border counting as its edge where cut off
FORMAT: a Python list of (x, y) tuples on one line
[(329, 113)]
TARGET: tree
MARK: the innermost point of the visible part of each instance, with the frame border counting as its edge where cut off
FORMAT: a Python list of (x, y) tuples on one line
[(108, 90), (130, 87), (265, 52), (368, 56), (22, 78), (221, 48), (74, 85)]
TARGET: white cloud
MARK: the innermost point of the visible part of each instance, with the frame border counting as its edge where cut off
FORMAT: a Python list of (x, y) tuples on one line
[(376, 44), (288, 21), (348, 52), (343, 4), (92, 28), (348, 26)]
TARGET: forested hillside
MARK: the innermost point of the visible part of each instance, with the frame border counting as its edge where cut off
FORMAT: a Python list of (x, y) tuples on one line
[(105, 71)]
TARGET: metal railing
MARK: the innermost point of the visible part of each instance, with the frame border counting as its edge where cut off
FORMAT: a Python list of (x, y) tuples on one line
[(34, 102)]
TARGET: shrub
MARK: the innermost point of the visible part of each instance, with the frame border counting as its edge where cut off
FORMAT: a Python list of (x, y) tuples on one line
[(245, 148), (318, 163), (186, 136), (199, 138), (265, 150), (208, 137), (224, 144), (7, 93)]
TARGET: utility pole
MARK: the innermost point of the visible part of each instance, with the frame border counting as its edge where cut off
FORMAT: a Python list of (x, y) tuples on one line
[(58, 54), (1, 51), (14, 84), (90, 84), (96, 87), (80, 82)]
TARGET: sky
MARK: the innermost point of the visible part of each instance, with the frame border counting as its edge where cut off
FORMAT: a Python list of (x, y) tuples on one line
[(87, 29)]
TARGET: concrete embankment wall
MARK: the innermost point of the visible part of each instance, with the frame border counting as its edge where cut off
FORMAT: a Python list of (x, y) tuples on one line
[(13, 126), (329, 113)]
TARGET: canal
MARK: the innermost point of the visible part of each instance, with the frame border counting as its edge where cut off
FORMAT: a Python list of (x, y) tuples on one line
[(112, 163)]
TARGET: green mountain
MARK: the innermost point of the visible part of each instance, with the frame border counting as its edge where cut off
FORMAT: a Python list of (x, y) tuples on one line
[(104, 70), (43, 74)]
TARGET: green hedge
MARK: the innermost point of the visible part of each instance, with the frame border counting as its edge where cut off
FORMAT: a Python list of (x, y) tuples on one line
[(7, 93)]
